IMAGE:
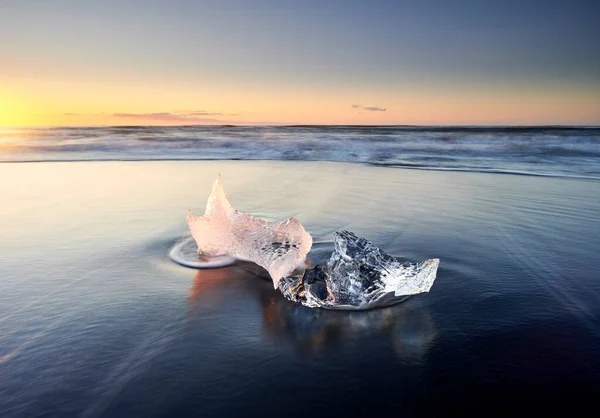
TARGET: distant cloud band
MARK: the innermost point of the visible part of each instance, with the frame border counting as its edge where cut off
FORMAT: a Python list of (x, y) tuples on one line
[(369, 108), (182, 116)]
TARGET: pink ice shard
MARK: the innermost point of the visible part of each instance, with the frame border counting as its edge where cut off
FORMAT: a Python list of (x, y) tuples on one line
[(277, 247)]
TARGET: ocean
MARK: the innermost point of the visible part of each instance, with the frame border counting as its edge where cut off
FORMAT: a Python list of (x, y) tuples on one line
[(97, 321), (548, 150)]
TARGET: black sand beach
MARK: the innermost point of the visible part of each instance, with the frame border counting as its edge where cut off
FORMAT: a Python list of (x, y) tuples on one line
[(95, 320)]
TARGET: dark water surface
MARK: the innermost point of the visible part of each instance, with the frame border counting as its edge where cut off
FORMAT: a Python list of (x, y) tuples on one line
[(96, 321)]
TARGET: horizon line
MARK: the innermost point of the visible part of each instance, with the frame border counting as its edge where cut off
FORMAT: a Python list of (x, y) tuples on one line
[(284, 125)]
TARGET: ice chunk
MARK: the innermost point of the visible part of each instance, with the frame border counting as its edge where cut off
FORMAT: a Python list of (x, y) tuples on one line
[(278, 247), (357, 276)]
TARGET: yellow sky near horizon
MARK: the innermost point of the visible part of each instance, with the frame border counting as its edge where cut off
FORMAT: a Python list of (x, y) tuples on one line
[(64, 102)]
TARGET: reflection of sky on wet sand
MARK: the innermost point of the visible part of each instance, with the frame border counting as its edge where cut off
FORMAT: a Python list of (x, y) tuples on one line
[(101, 318), (407, 325)]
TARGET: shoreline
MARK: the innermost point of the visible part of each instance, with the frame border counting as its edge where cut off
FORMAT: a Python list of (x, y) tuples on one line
[(372, 164)]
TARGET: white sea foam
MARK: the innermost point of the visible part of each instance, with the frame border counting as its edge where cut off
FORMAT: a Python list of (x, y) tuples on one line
[(549, 151)]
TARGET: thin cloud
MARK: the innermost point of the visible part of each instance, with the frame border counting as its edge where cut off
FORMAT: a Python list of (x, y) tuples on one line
[(179, 117), (190, 113), (369, 108)]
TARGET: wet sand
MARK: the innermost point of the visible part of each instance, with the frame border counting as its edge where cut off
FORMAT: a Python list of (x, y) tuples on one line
[(95, 320)]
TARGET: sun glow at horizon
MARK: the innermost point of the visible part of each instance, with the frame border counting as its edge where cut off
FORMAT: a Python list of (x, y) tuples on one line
[(114, 63)]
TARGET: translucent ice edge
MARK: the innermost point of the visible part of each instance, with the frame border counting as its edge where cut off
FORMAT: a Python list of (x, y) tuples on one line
[(185, 252), (359, 275), (223, 231)]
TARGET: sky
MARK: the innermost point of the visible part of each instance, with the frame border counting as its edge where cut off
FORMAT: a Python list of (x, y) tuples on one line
[(451, 62)]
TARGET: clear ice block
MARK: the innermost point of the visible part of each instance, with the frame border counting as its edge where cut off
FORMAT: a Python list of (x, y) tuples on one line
[(359, 275)]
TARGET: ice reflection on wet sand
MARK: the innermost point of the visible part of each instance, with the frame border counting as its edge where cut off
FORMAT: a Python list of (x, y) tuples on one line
[(407, 324)]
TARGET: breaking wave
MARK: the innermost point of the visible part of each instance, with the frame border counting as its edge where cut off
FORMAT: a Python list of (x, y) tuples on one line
[(546, 151)]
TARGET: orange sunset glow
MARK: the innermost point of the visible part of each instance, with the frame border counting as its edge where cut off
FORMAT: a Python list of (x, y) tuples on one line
[(73, 64)]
